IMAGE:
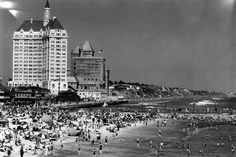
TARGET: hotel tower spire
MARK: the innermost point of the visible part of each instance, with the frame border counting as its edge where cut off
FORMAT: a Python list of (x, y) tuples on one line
[(47, 13)]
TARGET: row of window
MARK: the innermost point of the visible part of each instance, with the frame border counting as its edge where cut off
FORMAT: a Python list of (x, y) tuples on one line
[(58, 34), (55, 77), (27, 76), (16, 69), (39, 72), (91, 79), (57, 57), (58, 49), (57, 61), (58, 72), (25, 50), (89, 61), (28, 54), (28, 43), (89, 73), (58, 53), (61, 65), (52, 68), (35, 58), (28, 80), (29, 36), (34, 63), (30, 69), (27, 40), (27, 47)]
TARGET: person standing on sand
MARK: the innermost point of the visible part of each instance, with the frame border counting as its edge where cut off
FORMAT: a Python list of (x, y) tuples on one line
[(100, 148), (52, 148), (232, 148), (89, 136), (150, 143), (159, 132), (137, 142), (79, 151), (188, 150), (94, 152), (8, 151), (61, 145), (106, 140), (161, 146), (21, 151), (35, 150)]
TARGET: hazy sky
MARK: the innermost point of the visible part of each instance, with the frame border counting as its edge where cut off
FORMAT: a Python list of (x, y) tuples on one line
[(182, 43)]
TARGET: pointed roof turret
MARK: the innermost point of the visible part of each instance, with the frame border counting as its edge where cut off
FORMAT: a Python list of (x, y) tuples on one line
[(47, 5), (87, 46)]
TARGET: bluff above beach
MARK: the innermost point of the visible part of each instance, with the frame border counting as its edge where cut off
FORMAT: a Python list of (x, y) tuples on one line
[(145, 91)]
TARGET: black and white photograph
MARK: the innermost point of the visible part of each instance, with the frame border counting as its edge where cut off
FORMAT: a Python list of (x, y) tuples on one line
[(117, 78)]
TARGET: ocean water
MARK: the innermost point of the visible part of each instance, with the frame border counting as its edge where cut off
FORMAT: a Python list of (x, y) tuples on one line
[(182, 105)]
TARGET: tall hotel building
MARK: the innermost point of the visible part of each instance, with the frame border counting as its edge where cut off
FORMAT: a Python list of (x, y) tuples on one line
[(40, 54), (88, 69), (88, 74)]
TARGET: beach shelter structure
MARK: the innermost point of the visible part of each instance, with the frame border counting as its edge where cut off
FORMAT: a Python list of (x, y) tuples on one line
[(73, 132), (42, 136), (47, 119), (36, 126)]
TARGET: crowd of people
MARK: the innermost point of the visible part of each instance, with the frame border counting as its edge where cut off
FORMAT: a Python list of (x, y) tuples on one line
[(35, 129)]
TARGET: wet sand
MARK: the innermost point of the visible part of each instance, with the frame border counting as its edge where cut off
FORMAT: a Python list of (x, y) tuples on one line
[(124, 145)]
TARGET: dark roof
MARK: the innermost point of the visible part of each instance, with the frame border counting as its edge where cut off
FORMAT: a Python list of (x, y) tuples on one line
[(55, 24), (37, 25), (47, 5), (27, 25)]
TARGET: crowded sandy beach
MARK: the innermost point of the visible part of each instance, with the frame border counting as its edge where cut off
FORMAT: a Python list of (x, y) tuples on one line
[(47, 131)]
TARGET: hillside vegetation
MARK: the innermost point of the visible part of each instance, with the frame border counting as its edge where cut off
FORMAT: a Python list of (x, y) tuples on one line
[(144, 91)]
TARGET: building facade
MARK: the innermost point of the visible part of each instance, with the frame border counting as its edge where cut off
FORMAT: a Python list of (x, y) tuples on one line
[(88, 74), (28, 54), (88, 69), (40, 54)]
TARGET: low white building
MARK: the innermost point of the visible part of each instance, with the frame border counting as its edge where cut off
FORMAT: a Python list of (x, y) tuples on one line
[(94, 95)]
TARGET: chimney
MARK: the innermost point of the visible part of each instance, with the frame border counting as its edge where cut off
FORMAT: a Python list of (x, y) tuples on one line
[(54, 17)]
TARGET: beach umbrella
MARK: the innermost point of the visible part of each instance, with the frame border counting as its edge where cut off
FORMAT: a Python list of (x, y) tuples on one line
[(36, 126), (25, 126), (42, 135), (29, 133), (2, 137), (82, 110), (47, 119), (73, 132)]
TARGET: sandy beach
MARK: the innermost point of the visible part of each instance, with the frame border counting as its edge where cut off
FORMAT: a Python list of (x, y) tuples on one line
[(129, 133), (173, 137)]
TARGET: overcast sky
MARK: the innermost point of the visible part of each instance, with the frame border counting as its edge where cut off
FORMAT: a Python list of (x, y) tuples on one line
[(181, 43)]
